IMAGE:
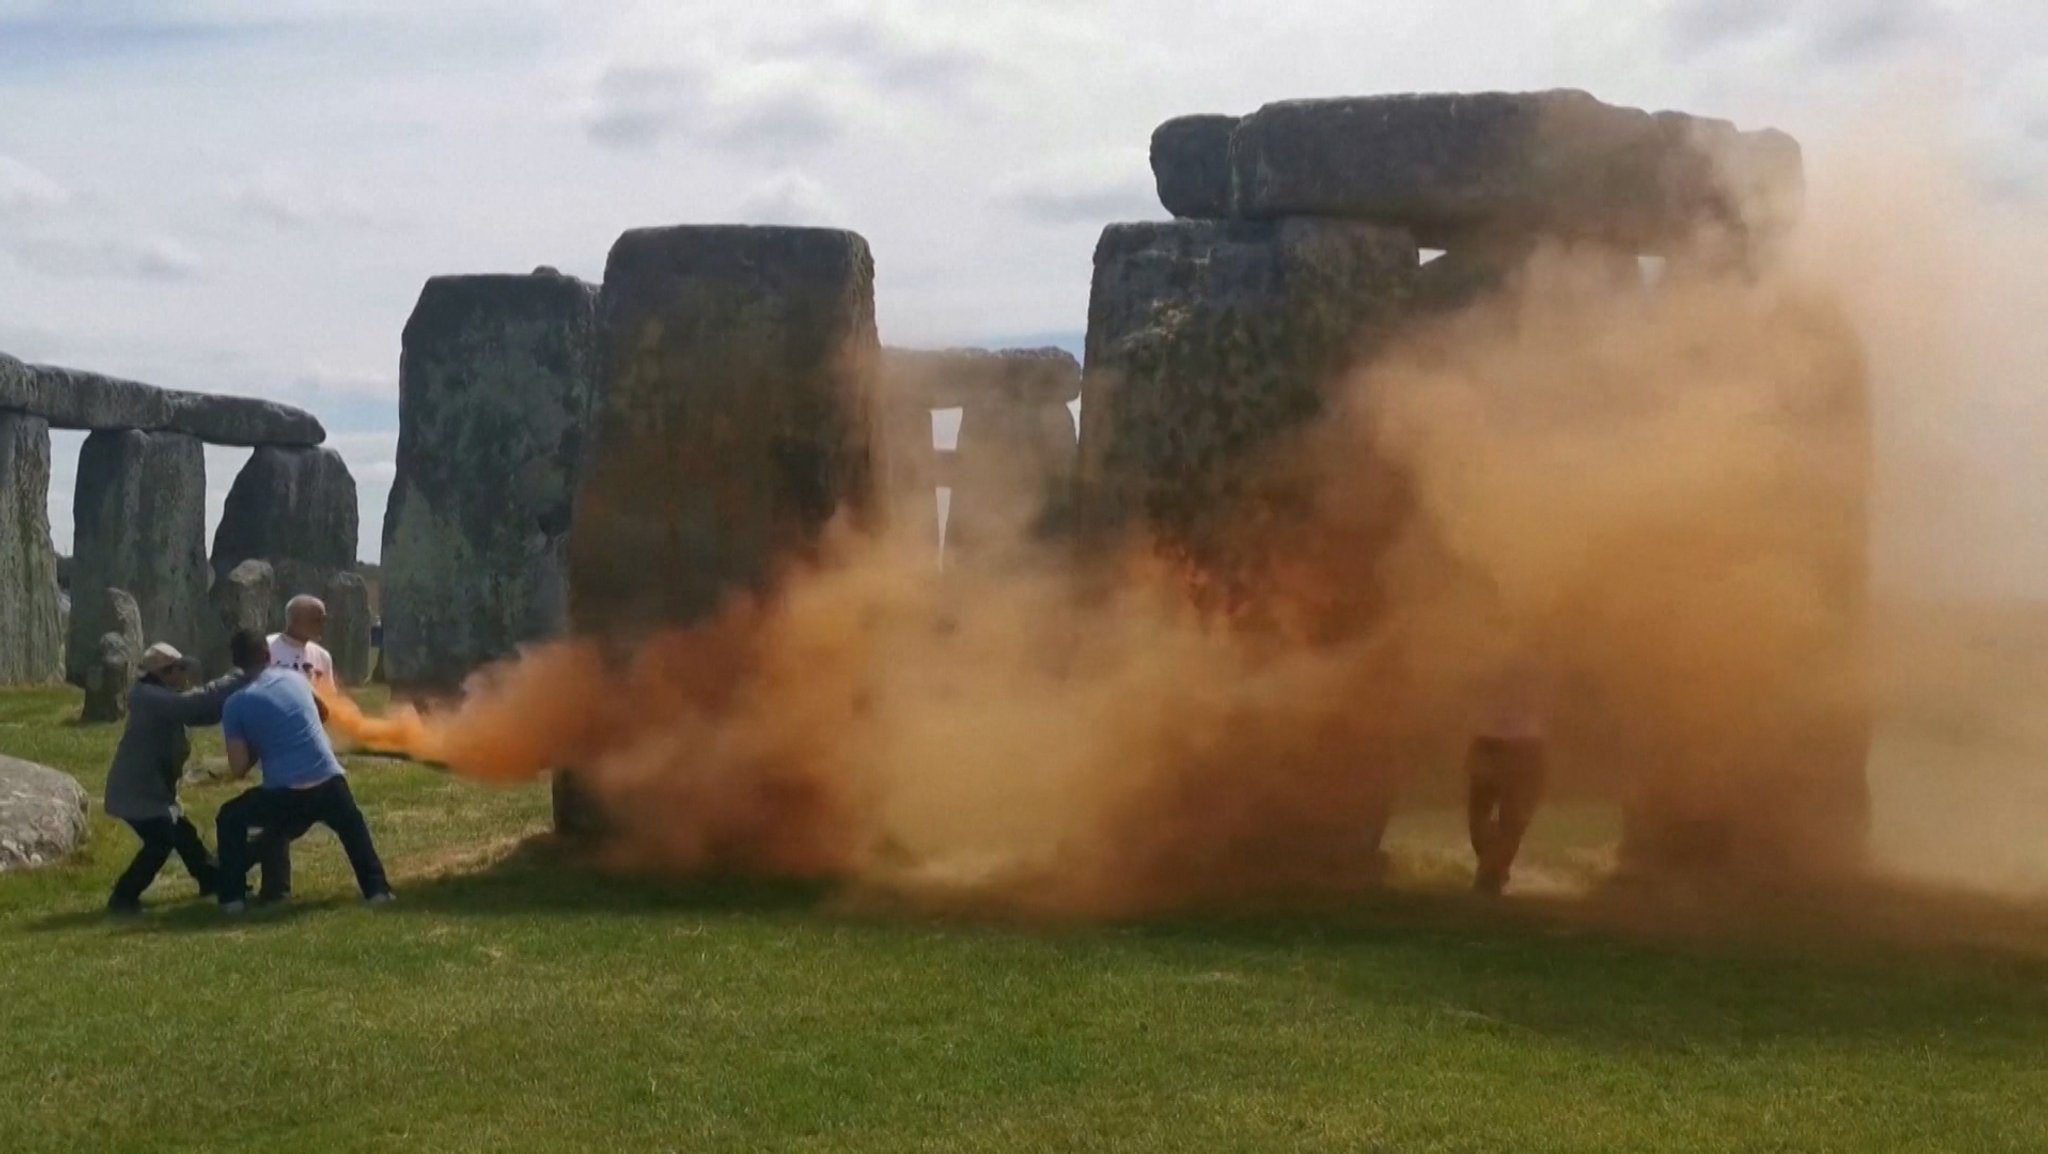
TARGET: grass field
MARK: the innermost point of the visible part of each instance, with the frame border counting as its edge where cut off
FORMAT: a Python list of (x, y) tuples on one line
[(512, 1001)]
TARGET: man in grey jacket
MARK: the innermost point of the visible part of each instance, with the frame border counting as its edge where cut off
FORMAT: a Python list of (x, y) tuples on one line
[(142, 784)]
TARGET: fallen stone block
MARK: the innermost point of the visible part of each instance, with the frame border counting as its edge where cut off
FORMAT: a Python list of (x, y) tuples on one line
[(42, 815)]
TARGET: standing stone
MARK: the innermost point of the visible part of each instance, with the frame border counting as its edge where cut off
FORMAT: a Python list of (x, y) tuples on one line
[(31, 638), (1013, 476), (907, 467), (42, 815), (296, 509), (1210, 341), (245, 599), (113, 659), (730, 424), (140, 525), (731, 419), (1011, 473), (1191, 166), (348, 627), (494, 385)]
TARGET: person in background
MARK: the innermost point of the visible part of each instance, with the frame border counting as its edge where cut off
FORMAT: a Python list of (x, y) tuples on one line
[(274, 723), (142, 783), (1505, 769), (298, 648)]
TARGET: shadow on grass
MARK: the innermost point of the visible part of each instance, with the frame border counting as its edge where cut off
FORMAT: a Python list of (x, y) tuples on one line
[(541, 875), (198, 915)]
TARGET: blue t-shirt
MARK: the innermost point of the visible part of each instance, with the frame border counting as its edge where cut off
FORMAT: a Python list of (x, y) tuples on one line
[(276, 716)]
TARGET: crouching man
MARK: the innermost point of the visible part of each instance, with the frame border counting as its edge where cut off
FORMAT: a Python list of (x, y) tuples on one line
[(274, 723)]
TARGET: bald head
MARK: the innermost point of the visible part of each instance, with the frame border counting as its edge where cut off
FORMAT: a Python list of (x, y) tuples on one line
[(305, 618)]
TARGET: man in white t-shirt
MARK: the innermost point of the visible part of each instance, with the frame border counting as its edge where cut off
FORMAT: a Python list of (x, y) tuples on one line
[(1506, 767), (298, 647)]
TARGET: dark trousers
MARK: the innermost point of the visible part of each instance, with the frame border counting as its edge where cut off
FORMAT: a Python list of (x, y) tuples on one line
[(272, 849), (1505, 784), (161, 837), (280, 812)]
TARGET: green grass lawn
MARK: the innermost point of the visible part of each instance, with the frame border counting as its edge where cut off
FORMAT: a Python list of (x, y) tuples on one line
[(512, 1001)]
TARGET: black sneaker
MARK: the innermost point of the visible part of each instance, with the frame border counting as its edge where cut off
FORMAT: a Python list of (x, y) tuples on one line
[(117, 908)]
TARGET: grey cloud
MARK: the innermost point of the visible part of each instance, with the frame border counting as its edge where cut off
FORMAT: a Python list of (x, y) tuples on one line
[(887, 55), (1707, 24), (789, 198), (1834, 32), (1845, 31), (287, 204), (144, 258), (24, 189), (637, 107), (1093, 190)]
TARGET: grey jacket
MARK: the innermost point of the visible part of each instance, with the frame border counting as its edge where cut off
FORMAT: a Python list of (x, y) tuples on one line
[(143, 781)]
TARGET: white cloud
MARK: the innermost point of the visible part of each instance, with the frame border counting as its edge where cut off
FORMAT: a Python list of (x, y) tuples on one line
[(1097, 189), (142, 258), (284, 202), (790, 197), (771, 110), (25, 190), (322, 382)]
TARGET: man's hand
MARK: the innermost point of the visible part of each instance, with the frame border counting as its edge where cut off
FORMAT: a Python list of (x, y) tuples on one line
[(240, 760)]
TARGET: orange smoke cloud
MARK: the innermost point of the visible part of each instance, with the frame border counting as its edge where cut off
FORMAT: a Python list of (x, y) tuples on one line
[(1661, 490)]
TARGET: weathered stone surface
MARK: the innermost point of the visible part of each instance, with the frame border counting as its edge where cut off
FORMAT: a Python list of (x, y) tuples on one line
[(1191, 166), (74, 399), (113, 656), (1209, 340), (731, 422), (951, 378), (42, 815), (140, 525), (494, 387), (296, 509), (246, 598), (731, 419), (1556, 163), (348, 627), (106, 685), (31, 641), (1013, 478)]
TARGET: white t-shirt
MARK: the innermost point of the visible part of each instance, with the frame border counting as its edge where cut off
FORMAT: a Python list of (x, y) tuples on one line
[(310, 658), (1518, 707)]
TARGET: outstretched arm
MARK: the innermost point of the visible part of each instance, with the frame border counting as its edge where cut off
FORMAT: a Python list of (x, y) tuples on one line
[(203, 706)]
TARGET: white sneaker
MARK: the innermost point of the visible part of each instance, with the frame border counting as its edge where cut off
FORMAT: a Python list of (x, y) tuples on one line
[(234, 907), (383, 899)]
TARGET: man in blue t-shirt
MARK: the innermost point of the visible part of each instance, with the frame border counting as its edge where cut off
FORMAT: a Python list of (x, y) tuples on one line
[(274, 722)]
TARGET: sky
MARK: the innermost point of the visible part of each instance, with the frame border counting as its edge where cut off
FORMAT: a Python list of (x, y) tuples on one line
[(245, 197)]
